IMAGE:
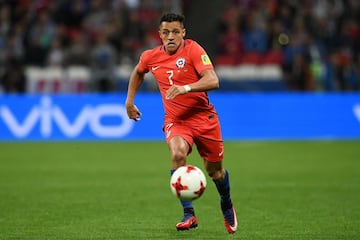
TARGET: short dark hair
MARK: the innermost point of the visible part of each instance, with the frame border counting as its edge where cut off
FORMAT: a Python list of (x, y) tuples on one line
[(173, 17)]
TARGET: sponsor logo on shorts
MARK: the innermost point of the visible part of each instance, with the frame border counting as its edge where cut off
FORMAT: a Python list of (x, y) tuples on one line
[(221, 153), (167, 129)]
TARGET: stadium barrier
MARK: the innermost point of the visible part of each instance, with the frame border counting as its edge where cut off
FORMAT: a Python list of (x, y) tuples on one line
[(74, 79), (94, 117)]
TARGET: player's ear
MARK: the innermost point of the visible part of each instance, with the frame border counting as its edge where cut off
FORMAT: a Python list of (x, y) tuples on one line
[(184, 32)]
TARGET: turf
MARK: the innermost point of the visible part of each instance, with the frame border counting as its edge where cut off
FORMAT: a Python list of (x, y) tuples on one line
[(120, 190)]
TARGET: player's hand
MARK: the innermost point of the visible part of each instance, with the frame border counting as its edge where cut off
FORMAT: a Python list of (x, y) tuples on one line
[(174, 91), (133, 112)]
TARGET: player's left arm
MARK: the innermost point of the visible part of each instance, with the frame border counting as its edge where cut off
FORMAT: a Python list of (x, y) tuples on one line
[(208, 81)]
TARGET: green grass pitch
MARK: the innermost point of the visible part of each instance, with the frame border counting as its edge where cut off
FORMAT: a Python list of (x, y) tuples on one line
[(120, 190)]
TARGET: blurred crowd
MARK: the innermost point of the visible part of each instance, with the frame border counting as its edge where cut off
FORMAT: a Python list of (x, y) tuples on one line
[(316, 42), (100, 34)]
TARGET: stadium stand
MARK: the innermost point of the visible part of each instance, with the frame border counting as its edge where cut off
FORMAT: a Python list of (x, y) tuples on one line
[(259, 45)]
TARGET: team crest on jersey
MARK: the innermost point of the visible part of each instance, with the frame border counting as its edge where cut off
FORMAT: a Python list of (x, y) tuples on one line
[(180, 63)]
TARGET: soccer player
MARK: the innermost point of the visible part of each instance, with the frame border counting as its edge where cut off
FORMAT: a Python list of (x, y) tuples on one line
[(184, 74)]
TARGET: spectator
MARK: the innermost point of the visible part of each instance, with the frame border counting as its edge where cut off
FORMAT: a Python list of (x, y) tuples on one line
[(133, 38), (231, 44), (78, 51), (74, 13), (255, 36), (65, 32), (102, 64), (348, 74), (13, 78), (5, 20), (298, 76), (56, 56)]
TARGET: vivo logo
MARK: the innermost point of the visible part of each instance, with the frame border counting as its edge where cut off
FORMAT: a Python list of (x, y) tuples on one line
[(356, 110), (47, 114)]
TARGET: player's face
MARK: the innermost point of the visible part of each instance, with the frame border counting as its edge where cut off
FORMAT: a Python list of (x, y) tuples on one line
[(172, 35)]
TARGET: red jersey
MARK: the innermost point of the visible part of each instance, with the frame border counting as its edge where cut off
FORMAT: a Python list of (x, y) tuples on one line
[(181, 68)]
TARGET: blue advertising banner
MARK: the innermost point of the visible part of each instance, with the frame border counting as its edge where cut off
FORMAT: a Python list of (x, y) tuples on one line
[(289, 116), (90, 117)]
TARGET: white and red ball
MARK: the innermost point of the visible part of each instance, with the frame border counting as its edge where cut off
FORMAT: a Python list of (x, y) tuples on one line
[(188, 183)]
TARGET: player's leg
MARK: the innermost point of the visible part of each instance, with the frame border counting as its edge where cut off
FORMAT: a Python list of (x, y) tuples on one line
[(179, 149), (220, 177), (210, 147)]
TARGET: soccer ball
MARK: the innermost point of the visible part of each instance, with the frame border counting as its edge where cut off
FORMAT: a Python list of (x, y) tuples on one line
[(188, 183)]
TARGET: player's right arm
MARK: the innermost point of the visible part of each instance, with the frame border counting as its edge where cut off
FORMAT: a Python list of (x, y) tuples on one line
[(136, 79)]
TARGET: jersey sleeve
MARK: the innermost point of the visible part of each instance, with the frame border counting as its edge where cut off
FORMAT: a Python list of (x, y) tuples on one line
[(200, 58), (143, 61)]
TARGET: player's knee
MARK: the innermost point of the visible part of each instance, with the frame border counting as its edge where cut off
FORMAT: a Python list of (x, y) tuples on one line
[(178, 157), (216, 174), (179, 149)]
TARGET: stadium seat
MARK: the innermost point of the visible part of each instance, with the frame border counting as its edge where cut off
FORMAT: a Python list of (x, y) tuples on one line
[(270, 72), (251, 58), (225, 60), (273, 57), (78, 77)]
